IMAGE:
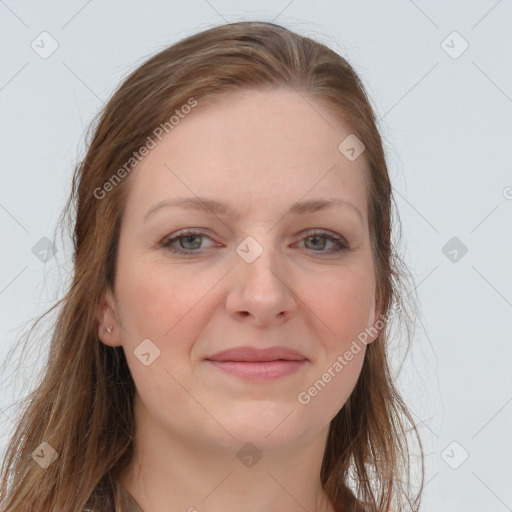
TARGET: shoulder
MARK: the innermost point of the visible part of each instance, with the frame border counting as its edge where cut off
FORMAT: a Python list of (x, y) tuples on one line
[(128, 502), (98, 507), (99, 501), (106, 501)]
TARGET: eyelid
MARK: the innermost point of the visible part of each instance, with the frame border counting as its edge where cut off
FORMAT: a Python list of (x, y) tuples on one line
[(183, 233), (323, 232), (341, 244)]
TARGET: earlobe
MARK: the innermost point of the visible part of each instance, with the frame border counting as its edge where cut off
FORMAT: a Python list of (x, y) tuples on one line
[(372, 328), (108, 327), (371, 319)]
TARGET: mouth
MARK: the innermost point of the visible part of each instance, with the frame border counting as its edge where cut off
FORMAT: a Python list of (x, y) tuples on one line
[(249, 363)]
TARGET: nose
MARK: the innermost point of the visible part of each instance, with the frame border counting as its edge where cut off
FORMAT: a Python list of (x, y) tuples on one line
[(261, 292)]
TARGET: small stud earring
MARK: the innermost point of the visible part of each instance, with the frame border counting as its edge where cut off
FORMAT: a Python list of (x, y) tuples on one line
[(108, 329)]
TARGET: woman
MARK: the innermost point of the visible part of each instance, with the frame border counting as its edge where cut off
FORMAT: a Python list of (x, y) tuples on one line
[(223, 342)]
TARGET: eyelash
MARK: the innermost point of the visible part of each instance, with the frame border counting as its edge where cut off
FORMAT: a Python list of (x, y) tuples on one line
[(341, 246)]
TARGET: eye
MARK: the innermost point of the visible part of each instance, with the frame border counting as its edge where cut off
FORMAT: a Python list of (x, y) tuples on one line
[(189, 242), (189, 237), (317, 241)]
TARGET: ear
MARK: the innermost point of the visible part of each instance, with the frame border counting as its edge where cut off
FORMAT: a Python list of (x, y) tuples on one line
[(109, 331), (374, 317)]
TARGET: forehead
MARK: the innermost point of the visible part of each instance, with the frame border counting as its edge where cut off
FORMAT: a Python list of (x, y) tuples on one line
[(252, 147)]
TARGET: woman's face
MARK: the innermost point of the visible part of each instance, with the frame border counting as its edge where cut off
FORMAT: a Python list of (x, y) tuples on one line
[(254, 274)]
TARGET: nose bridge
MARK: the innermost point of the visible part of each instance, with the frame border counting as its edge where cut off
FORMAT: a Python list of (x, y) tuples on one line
[(259, 285), (259, 262)]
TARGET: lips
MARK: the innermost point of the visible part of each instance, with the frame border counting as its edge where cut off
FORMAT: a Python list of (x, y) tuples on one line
[(250, 363), (252, 354)]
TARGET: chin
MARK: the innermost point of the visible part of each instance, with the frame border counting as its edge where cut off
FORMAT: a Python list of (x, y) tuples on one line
[(267, 425)]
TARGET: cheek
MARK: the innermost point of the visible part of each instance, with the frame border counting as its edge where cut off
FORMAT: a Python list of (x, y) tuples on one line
[(328, 392), (157, 300), (160, 304), (342, 300), (343, 304)]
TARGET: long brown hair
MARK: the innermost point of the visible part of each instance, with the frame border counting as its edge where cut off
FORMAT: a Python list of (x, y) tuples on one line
[(83, 405)]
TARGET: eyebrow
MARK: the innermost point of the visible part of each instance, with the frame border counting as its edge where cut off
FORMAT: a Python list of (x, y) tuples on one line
[(216, 207)]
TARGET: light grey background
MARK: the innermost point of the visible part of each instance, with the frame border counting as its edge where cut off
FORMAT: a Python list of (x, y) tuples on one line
[(447, 124)]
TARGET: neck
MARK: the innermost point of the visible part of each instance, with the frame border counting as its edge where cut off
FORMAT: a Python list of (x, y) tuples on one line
[(170, 472)]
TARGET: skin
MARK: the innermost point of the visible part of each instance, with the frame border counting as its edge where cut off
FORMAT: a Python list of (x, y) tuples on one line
[(260, 152)]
